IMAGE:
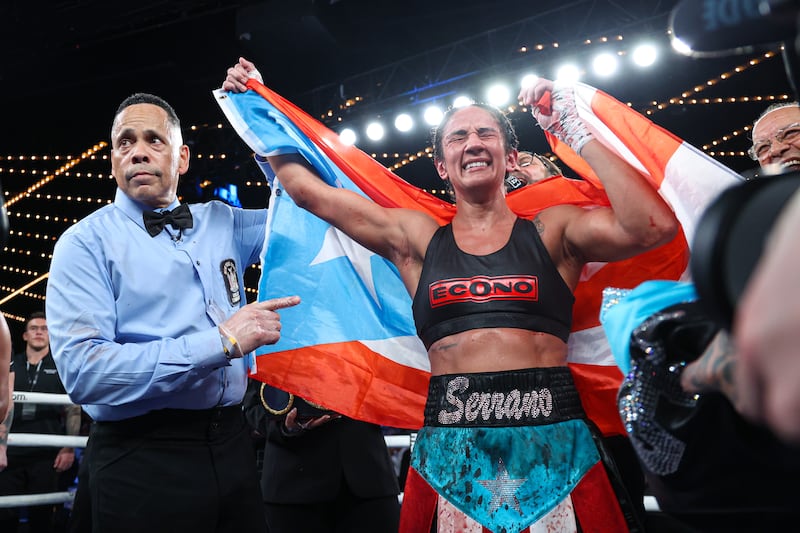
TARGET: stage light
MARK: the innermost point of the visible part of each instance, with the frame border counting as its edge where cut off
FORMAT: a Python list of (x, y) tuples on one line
[(375, 131), (568, 73), (498, 94), (348, 136), (680, 46), (462, 101), (645, 55), (433, 115), (403, 122), (528, 80), (605, 64)]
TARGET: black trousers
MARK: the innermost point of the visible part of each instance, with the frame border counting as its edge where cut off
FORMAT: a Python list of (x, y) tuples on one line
[(29, 474), (175, 470), (80, 517)]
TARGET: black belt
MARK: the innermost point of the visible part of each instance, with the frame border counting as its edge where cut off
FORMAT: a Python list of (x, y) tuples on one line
[(214, 421), (529, 397)]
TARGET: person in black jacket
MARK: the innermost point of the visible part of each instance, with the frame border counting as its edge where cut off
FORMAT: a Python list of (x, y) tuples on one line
[(36, 469), (322, 472)]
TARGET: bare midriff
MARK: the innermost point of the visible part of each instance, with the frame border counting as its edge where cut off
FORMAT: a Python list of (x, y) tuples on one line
[(496, 350)]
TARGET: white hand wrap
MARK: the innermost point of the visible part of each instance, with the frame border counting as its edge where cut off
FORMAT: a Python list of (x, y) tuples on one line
[(255, 74), (563, 121)]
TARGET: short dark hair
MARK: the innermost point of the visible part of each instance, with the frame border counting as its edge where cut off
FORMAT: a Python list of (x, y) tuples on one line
[(147, 98), (509, 135), (33, 316)]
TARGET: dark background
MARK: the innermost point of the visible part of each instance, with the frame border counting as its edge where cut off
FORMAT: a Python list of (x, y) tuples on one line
[(66, 65)]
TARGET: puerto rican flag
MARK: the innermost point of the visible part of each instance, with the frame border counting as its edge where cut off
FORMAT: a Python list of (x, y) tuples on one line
[(351, 344)]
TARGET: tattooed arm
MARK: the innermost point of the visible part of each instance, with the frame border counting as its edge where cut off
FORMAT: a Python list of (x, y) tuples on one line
[(66, 456), (714, 369)]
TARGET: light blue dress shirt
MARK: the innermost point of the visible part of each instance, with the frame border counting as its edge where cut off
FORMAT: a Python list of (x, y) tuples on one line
[(133, 318)]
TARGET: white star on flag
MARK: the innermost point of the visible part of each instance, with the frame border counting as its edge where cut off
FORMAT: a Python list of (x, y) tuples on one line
[(502, 488), (336, 244)]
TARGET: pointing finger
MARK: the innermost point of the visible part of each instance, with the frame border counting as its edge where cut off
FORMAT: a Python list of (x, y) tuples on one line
[(280, 303)]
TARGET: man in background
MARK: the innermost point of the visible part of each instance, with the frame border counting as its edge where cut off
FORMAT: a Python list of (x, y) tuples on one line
[(322, 472), (529, 169), (36, 469)]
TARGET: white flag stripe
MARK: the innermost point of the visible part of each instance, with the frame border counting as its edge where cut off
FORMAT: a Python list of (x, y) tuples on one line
[(407, 351), (692, 181)]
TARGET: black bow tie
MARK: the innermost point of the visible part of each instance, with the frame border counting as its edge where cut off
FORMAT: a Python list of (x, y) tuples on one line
[(180, 218)]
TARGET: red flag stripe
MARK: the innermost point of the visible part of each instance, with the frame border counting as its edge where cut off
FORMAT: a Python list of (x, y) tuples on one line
[(350, 378)]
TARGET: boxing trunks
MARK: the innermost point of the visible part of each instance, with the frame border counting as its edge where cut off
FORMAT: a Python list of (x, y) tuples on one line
[(507, 452)]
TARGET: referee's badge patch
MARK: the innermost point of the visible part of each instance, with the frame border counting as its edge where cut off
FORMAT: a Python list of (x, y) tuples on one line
[(231, 278)]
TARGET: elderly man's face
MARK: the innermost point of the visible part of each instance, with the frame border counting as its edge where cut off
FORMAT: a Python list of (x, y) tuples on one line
[(147, 156), (776, 139)]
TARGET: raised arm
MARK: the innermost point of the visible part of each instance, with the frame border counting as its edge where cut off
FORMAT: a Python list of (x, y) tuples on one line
[(400, 235), (638, 220), (388, 232)]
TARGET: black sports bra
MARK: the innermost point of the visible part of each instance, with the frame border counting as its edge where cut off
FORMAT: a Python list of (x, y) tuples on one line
[(517, 286)]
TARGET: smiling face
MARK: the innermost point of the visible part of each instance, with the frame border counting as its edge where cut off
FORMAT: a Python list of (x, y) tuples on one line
[(530, 169), (784, 124), (474, 150), (147, 155)]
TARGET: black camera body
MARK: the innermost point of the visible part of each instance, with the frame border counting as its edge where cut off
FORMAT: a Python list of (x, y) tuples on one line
[(730, 238)]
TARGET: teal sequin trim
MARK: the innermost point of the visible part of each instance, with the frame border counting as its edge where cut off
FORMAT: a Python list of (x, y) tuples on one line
[(505, 478)]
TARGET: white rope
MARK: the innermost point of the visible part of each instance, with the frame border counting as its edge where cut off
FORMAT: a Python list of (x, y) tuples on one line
[(650, 504), (397, 441), (41, 397), (61, 441), (35, 499), (66, 441), (32, 439), (36, 439)]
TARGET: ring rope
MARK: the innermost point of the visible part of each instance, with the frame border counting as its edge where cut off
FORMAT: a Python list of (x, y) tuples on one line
[(46, 498), (71, 441)]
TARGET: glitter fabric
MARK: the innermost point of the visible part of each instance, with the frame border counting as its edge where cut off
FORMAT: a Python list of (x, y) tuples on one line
[(623, 310), (505, 478), (611, 297), (654, 408)]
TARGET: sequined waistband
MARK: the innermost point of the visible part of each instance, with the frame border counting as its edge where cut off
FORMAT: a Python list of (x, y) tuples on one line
[(529, 397)]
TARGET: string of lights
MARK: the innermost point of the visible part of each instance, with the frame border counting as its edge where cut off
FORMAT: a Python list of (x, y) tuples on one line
[(24, 293), (658, 106), (61, 170), (32, 167), (29, 235), (642, 54)]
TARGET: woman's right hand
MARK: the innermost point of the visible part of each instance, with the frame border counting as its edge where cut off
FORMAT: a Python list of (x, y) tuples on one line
[(238, 74)]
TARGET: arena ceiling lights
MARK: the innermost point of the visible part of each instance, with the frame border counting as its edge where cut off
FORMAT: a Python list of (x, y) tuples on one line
[(605, 63)]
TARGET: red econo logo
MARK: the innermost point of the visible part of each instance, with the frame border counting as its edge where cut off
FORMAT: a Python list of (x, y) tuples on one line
[(483, 289)]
